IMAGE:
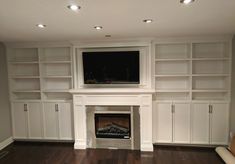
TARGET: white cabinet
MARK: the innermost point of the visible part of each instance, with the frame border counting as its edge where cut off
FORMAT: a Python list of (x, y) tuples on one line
[(58, 121), (163, 122), (27, 120), (219, 123), (181, 122), (172, 122), (210, 123)]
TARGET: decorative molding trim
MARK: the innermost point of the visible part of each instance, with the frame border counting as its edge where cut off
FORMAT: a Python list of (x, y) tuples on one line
[(6, 142)]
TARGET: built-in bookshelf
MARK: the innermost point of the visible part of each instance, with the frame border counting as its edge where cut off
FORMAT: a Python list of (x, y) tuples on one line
[(40, 73), (192, 71)]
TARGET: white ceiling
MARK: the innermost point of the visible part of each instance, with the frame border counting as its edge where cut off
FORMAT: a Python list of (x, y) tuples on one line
[(119, 18)]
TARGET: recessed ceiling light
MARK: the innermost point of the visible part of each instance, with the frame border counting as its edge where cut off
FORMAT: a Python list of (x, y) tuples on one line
[(98, 27), (186, 1), (41, 25), (148, 21), (74, 7)]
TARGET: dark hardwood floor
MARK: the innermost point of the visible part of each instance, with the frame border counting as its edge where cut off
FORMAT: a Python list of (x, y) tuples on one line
[(63, 153)]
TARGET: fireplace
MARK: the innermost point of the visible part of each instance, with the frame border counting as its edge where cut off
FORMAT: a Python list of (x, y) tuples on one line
[(113, 126)]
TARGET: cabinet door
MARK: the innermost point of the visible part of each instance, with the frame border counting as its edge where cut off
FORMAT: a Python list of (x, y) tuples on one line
[(181, 123), (219, 123), (65, 121), (200, 123), (50, 121), (19, 120), (163, 122), (35, 120)]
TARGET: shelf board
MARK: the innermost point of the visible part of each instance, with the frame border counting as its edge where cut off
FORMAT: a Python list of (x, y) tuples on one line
[(55, 62), (172, 90), (209, 90), (56, 91), (24, 62), (25, 77), (186, 75), (174, 59), (203, 59), (57, 77), (26, 91), (210, 75)]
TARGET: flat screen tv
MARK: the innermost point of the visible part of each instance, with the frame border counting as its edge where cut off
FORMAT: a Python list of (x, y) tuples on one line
[(113, 67)]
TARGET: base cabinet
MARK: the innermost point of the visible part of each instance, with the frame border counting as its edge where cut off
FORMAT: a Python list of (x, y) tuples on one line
[(172, 122), (27, 120), (210, 123), (191, 123), (58, 121)]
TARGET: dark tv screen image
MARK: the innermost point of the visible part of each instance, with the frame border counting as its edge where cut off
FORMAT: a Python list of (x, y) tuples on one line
[(116, 67)]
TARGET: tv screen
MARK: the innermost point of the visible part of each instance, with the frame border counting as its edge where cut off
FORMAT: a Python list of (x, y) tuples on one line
[(116, 67)]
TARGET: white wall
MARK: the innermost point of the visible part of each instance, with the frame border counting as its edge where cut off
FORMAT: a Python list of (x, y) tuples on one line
[(5, 120), (232, 114)]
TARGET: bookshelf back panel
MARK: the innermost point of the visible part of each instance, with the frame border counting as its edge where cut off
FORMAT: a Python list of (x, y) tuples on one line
[(55, 54), (54, 84), (210, 96), (172, 83), (57, 96), (56, 69), (23, 55), (210, 67), (210, 50), (26, 96), (24, 70), (172, 67), (168, 51), (25, 84), (172, 96), (210, 83)]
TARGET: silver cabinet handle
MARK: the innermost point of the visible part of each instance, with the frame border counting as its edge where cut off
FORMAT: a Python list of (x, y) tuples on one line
[(25, 107), (56, 107), (172, 108), (210, 108)]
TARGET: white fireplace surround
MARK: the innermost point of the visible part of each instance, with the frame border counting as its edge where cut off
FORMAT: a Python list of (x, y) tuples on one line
[(113, 97)]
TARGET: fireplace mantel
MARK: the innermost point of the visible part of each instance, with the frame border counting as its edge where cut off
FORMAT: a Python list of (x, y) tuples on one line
[(112, 91), (113, 97)]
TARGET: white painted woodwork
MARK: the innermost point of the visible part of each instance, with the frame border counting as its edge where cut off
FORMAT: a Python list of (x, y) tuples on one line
[(51, 129), (35, 124), (200, 123), (65, 121), (97, 97), (219, 123), (181, 123), (58, 121), (163, 118), (27, 120), (19, 117)]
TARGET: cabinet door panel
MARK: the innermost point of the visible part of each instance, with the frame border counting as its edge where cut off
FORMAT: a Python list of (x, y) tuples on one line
[(219, 123), (181, 132), (163, 122), (35, 120), (65, 121), (200, 123), (19, 119), (50, 121)]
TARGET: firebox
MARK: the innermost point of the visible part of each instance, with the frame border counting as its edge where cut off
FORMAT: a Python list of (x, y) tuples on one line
[(113, 125)]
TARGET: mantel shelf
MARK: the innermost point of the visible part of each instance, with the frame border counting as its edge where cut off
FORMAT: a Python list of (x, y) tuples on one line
[(113, 91)]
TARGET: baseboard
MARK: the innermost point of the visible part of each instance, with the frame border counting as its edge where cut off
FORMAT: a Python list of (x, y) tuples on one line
[(6, 142)]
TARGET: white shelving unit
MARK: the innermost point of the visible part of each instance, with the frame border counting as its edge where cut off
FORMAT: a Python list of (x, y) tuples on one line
[(38, 76), (194, 73), (195, 70)]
